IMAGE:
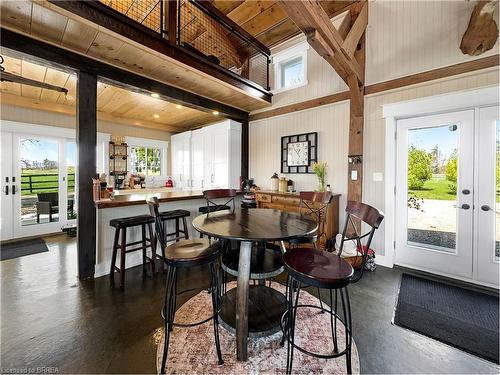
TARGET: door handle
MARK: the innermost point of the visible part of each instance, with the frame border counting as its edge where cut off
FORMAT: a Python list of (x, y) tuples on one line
[(13, 189), (6, 190), (465, 206), (485, 207)]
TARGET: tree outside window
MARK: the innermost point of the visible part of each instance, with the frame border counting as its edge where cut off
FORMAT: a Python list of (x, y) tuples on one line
[(146, 160)]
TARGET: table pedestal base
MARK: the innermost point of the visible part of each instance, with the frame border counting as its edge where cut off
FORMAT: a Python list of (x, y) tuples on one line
[(265, 309)]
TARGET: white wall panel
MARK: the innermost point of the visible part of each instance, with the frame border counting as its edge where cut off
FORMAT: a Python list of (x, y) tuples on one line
[(332, 124)]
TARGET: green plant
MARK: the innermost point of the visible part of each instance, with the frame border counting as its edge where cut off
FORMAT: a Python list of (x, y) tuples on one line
[(419, 168), (319, 169), (451, 171)]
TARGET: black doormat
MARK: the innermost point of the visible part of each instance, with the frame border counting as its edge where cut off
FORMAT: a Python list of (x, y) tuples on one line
[(21, 248), (463, 318)]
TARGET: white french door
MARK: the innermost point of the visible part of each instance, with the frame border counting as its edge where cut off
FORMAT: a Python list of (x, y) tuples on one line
[(434, 213), (40, 197), (446, 194), (488, 196)]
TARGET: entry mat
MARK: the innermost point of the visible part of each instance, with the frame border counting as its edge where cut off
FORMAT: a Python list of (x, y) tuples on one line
[(463, 318), (21, 248)]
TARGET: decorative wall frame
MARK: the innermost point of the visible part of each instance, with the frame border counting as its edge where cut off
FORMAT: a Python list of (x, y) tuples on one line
[(293, 158)]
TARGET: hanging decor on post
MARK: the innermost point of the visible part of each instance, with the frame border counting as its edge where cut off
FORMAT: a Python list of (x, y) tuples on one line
[(299, 152)]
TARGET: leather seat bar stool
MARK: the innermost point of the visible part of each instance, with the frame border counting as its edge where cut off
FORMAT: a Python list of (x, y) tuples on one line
[(121, 225), (183, 254), (324, 270)]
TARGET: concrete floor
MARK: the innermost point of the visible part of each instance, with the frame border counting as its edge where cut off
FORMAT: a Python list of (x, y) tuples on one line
[(50, 319)]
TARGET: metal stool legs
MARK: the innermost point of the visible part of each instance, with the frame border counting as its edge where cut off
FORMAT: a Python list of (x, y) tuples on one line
[(290, 316), (170, 304)]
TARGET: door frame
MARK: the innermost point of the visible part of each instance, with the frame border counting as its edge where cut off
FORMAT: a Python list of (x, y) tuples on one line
[(450, 102), (20, 129)]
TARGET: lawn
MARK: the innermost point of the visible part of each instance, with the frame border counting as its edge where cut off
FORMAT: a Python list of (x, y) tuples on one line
[(438, 188), (435, 188), (44, 180)]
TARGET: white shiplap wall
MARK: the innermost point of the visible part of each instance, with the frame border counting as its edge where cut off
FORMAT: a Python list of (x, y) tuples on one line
[(329, 121), (403, 37), (408, 37)]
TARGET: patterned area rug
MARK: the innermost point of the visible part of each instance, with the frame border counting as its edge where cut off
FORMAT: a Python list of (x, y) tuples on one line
[(192, 350)]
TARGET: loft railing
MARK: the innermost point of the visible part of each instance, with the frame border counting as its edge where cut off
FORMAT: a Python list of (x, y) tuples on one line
[(203, 32)]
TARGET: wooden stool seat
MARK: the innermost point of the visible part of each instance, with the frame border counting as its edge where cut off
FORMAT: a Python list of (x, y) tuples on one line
[(132, 221), (317, 268), (192, 252)]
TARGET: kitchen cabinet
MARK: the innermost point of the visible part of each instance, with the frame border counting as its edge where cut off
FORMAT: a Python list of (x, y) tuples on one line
[(181, 159), (215, 156)]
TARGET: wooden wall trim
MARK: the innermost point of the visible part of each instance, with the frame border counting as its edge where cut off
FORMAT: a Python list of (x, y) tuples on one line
[(430, 75), (308, 104)]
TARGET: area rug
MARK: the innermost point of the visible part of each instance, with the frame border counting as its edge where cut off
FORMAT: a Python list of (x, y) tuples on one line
[(21, 248), (463, 318), (192, 350)]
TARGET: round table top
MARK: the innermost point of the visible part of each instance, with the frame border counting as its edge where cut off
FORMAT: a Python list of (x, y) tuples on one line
[(255, 224)]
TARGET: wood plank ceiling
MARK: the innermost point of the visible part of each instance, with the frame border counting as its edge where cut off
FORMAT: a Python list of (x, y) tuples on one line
[(267, 19), (43, 20), (113, 103)]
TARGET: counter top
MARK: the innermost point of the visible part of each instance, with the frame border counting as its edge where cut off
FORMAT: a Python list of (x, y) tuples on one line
[(140, 197)]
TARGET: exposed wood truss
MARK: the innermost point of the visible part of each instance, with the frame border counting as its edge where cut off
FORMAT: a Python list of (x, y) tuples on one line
[(482, 32), (344, 50)]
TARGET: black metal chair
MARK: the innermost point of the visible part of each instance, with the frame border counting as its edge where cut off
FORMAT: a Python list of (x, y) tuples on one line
[(182, 254), (329, 271), (121, 225), (47, 204)]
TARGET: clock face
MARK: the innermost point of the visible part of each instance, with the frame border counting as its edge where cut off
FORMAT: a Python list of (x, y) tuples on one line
[(298, 154)]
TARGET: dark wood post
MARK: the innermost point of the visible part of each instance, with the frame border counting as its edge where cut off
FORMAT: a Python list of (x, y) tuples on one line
[(86, 139), (244, 148)]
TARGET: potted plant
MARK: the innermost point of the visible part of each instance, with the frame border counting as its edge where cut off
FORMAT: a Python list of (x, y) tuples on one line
[(319, 169)]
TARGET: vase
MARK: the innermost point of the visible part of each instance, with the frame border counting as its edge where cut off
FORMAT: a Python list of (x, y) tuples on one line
[(321, 185)]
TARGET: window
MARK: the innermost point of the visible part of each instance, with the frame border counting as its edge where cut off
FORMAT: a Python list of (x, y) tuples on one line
[(290, 68), (146, 160)]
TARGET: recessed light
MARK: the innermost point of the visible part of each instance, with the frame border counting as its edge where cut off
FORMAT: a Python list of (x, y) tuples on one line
[(156, 116), (155, 95), (215, 113), (178, 106)]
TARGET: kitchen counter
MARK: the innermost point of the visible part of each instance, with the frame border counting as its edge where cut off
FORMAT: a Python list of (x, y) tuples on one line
[(139, 197)]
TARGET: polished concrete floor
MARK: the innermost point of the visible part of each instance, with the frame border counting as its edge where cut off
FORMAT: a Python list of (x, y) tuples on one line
[(50, 319)]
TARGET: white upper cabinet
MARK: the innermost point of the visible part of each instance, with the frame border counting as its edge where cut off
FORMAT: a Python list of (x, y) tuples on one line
[(181, 159), (215, 157)]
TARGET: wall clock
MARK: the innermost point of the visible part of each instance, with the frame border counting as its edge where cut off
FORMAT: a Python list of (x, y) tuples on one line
[(299, 152)]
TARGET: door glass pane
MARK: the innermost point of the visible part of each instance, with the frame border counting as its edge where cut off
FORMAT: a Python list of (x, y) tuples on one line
[(432, 187), (497, 195), (71, 177), (39, 181)]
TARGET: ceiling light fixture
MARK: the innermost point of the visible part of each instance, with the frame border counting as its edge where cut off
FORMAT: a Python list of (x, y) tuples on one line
[(156, 116), (155, 95), (178, 106), (215, 113)]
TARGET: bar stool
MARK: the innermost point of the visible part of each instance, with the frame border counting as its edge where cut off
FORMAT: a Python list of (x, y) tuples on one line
[(121, 225), (329, 271), (212, 206), (182, 254), (176, 215)]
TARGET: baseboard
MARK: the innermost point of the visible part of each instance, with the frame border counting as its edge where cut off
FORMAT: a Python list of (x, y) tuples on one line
[(383, 260)]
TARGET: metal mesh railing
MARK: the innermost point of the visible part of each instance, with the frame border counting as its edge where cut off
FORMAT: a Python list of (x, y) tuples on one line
[(146, 12), (203, 34)]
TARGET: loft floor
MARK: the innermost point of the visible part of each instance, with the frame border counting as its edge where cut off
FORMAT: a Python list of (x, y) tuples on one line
[(51, 319)]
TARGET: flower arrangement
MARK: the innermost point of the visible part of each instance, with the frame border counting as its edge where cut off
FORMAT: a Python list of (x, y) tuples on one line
[(319, 168)]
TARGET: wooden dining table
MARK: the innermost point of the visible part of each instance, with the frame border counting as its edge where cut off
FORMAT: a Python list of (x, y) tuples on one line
[(249, 226)]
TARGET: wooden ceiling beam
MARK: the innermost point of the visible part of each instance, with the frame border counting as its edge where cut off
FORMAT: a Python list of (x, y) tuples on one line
[(351, 41), (309, 16)]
